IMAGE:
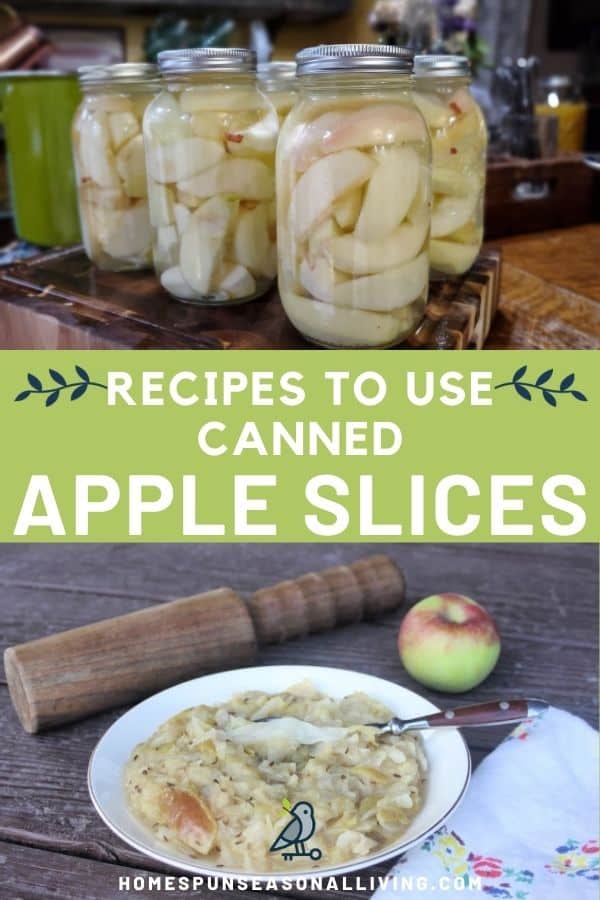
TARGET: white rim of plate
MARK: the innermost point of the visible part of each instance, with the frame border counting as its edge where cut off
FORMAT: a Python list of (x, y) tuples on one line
[(271, 877)]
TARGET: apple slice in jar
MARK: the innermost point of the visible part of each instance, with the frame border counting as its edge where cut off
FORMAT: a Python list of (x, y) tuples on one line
[(96, 158), (319, 279), (452, 181), (173, 281), (258, 138), (209, 99), (161, 204), (339, 327), (166, 123), (251, 242), (387, 290), (434, 109), (452, 257), (347, 210), (451, 213), (250, 179), (182, 159), (355, 257), (375, 126), (325, 182), (203, 244), (235, 281), (127, 233), (308, 137), (122, 126), (166, 247), (389, 194), (131, 166)]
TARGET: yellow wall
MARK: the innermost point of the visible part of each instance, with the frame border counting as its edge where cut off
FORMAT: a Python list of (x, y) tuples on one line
[(289, 39)]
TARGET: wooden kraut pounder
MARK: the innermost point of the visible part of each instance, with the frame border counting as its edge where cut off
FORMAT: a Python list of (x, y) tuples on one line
[(67, 676)]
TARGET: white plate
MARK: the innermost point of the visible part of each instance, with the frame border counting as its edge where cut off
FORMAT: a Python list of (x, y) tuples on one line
[(447, 754)]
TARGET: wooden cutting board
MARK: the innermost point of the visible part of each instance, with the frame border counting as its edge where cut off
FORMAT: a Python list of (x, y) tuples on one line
[(59, 300)]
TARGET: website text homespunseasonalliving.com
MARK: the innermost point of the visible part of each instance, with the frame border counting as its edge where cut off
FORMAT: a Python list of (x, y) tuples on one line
[(357, 884)]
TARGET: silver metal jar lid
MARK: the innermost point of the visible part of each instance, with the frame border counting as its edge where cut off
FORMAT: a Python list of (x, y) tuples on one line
[(441, 64), (234, 60), (126, 73), (378, 58), (272, 72)]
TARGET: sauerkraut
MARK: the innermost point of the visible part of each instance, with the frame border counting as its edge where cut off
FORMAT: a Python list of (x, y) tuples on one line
[(224, 800)]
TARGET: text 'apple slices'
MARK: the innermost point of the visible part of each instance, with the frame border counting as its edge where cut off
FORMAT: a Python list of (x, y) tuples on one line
[(183, 159), (323, 184), (355, 257), (389, 194), (202, 243), (375, 126), (250, 179), (387, 290)]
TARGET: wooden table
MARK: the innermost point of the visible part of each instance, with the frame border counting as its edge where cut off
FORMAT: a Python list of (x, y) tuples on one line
[(52, 843), (549, 299)]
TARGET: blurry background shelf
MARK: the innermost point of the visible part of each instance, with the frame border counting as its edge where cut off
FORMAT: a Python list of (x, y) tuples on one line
[(294, 10)]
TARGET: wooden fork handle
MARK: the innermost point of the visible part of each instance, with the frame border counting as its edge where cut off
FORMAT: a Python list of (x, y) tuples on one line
[(498, 712)]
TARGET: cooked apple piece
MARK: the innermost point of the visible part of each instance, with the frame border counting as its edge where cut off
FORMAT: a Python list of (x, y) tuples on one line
[(451, 257), (111, 103), (161, 203), (187, 199), (166, 246), (122, 126), (173, 281), (451, 213), (339, 327), (419, 210), (471, 233), (349, 254), (251, 244), (127, 234), (387, 290), (461, 102), (203, 244), (250, 179), (167, 124), (183, 159), (375, 126), (451, 181), (318, 279), (434, 109), (200, 99), (182, 216), (208, 125), (131, 166), (189, 816), (321, 236), (96, 159), (108, 198), (389, 194), (260, 137), (347, 210), (235, 281), (325, 182), (308, 137)]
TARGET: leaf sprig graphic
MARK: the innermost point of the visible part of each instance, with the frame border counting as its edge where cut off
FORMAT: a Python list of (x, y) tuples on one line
[(526, 389), (52, 393)]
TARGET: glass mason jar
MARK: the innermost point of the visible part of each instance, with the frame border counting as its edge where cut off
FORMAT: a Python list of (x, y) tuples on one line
[(278, 81), (353, 198), (459, 146), (108, 150), (210, 140)]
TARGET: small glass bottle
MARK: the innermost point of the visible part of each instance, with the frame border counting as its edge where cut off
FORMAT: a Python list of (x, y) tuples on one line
[(353, 196), (108, 151), (459, 147), (278, 81), (559, 96), (210, 139)]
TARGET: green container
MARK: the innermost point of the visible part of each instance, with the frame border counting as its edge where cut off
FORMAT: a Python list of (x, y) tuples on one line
[(37, 112)]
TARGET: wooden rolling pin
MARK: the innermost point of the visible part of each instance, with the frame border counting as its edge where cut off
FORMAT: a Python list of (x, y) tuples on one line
[(73, 674)]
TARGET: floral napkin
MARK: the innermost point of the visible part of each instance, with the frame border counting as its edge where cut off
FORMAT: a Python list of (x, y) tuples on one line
[(527, 829)]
